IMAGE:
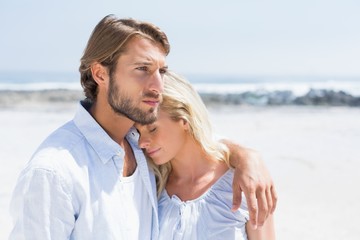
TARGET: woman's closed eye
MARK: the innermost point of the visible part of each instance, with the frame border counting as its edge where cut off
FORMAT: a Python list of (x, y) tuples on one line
[(152, 129)]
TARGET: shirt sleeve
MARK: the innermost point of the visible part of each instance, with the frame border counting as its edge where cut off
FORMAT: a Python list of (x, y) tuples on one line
[(40, 207)]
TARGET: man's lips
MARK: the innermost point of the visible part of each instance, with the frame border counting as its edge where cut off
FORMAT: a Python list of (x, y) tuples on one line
[(152, 103)]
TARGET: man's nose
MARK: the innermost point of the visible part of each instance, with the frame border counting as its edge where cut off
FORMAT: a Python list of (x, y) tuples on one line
[(157, 83)]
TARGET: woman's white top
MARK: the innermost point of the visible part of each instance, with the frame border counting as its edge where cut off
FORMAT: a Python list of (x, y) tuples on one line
[(206, 217)]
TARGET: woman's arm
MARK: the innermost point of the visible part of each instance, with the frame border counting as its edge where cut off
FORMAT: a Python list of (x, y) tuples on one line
[(266, 232)]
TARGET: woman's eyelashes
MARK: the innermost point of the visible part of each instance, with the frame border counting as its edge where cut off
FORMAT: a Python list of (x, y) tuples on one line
[(152, 129)]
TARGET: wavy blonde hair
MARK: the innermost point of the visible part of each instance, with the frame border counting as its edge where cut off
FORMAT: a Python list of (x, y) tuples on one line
[(181, 101)]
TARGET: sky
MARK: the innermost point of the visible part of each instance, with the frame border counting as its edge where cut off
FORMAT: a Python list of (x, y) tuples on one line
[(232, 38)]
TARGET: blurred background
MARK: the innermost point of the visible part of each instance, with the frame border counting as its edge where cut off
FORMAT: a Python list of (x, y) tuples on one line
[(279, 76)]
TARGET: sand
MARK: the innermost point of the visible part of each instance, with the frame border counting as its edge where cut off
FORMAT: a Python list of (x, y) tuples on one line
[(312, 153)]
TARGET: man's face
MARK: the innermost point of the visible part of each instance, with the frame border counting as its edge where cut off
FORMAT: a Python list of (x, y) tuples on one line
[(137, 83)]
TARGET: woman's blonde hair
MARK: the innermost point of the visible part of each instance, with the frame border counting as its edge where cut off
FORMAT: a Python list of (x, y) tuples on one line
[(181, 101)]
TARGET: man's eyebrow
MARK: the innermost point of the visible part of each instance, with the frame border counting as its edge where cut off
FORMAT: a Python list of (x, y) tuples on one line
[(149, 64), (143, 63)]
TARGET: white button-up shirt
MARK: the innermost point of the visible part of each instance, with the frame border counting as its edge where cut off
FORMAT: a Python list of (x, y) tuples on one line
[(73, 188)]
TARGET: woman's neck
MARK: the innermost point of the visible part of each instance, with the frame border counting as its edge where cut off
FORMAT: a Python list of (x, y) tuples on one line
[(193, 172)]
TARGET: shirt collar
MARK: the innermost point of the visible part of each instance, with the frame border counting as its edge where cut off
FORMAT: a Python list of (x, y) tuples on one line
[(99, 140), (133, 136)]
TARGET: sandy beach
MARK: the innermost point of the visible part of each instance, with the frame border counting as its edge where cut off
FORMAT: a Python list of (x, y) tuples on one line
[(312, 152)]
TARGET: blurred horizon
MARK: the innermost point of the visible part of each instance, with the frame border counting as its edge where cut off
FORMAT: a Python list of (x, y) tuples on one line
[(14, 74)]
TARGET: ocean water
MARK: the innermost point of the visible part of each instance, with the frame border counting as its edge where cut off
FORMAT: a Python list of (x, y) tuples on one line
[(299, 85), (258, 90), (33, 81)]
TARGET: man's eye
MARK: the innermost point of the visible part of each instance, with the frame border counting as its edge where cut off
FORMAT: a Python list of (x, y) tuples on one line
[(163, 71), (152, 130), (144, 68)]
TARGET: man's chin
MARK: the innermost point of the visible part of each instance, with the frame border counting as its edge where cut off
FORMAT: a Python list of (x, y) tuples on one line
[(145, 118), (150, 116), (137, 115)]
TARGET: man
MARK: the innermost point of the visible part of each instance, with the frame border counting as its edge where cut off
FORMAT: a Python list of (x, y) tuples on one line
[(89, 179)]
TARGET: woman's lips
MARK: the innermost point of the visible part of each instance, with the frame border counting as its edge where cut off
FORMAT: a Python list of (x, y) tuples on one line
[(152, 152)]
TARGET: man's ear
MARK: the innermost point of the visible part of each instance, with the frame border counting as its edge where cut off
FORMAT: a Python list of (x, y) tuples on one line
[(99, 73), (185, 124)]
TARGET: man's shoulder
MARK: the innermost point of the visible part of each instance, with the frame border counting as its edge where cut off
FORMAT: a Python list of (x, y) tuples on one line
[(65, 137), (57, 150)]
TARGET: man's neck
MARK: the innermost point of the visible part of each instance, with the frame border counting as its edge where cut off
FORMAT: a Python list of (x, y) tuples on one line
[(115, 125), (130, 164)]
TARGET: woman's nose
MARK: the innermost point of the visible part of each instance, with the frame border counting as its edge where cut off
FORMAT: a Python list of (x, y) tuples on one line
[(143, 142)]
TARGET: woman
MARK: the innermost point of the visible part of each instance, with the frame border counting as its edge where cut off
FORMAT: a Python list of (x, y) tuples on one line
[(194, 180)]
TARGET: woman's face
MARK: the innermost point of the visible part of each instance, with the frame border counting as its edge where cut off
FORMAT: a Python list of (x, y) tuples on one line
[(164, 139)]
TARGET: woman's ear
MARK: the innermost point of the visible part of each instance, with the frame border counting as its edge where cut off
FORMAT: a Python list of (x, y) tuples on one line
[(99, 73)]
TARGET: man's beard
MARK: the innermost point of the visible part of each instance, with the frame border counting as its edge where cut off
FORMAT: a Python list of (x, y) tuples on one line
[(124, 105)]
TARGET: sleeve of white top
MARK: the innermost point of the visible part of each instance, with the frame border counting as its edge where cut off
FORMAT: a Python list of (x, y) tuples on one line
[(40, 207)]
